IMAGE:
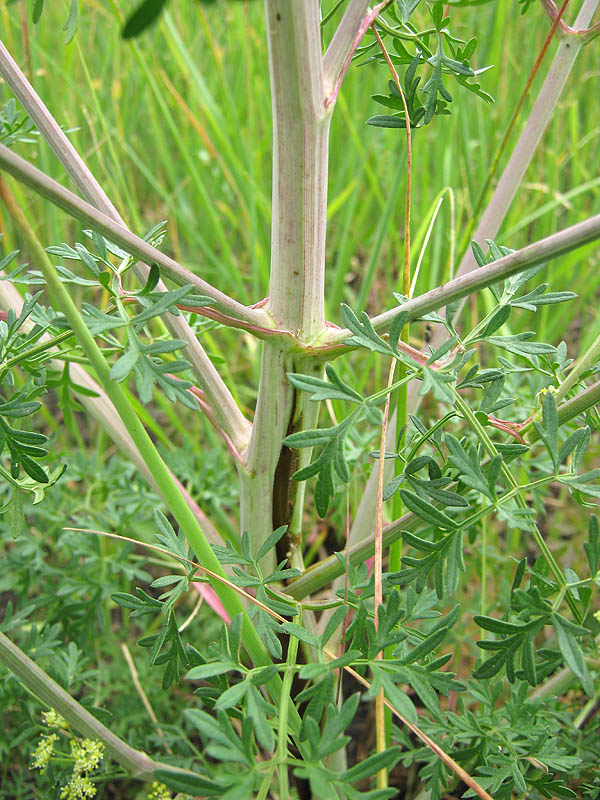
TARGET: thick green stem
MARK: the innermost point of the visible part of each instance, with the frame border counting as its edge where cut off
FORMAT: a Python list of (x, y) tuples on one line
[(156, 466), (574, 407), (296, 302)]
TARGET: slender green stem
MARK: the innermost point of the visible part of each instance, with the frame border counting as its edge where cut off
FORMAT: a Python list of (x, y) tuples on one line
[(309, 414), (282, 733), (34, 351), (373, 398), (408, 35), (491, 451), (395, 556), (402, 393)]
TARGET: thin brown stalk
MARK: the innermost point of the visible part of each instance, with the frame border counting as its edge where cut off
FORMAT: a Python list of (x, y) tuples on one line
[(209, 573), (377, 574), (462, 774)]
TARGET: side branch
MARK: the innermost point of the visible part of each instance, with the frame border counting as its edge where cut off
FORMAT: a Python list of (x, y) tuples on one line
[(585, 33), (228, 413), (552, 246), (356, 21), (341, 45), (236, 314)]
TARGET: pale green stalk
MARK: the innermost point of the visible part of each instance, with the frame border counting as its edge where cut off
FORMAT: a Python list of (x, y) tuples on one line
[(296, 295), (342, 42), (138, 763)]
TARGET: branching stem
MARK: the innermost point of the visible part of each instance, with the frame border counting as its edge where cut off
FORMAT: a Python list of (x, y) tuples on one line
[(233, 313), (228, 413), (552, 246)]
